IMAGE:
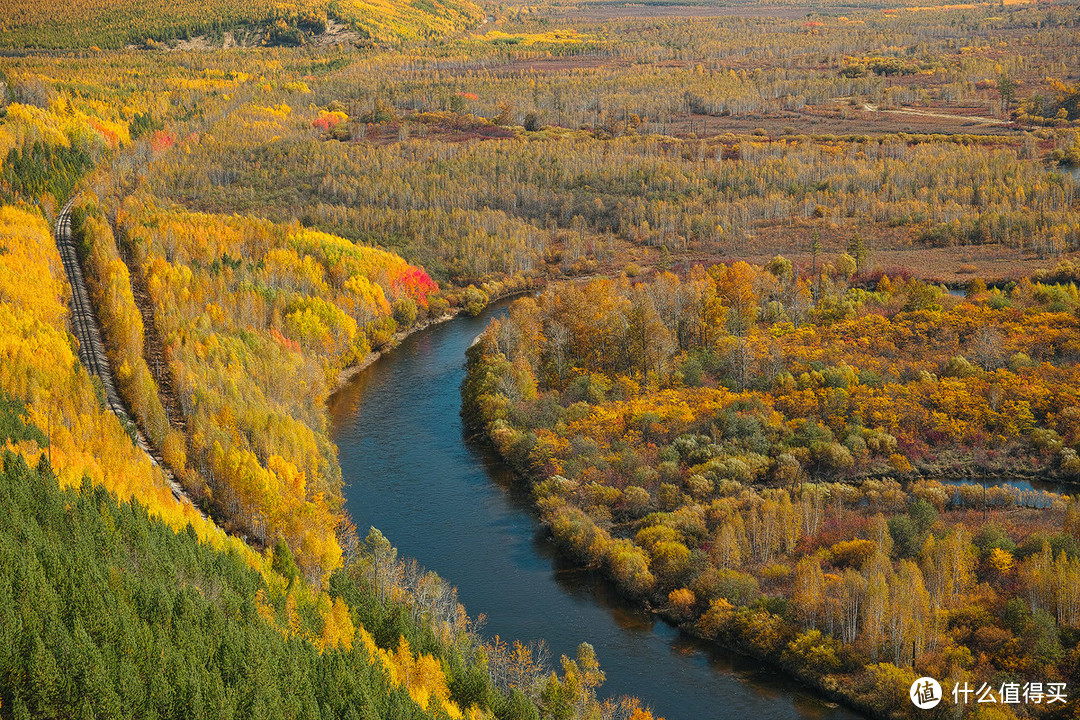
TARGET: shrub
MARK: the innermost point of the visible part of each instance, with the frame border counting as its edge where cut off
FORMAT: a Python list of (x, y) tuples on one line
[(405, 312)]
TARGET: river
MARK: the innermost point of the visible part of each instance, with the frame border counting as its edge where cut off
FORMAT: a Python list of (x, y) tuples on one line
[(411, 471)]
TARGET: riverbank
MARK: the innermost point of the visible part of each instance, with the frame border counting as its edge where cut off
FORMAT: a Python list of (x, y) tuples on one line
[(761, 635), (840, 584), (350, 373), (829, 688), (411, 470)]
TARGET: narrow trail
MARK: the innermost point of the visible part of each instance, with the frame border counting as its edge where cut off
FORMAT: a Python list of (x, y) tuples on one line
[(153, 346), (85, 327), (977, 119)]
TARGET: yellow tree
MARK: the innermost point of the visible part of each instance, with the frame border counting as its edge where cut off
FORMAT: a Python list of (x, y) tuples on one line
[(808, 591)]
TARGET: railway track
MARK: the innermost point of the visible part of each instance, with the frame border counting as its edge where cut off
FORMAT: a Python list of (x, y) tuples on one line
[(87, 330)]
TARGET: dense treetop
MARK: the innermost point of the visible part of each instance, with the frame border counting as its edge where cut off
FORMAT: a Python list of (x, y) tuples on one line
[(117, 23), (757, 452)]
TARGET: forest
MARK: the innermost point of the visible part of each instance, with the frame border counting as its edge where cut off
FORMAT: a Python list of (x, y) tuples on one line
[(155, 24), (225, 641), (91, 522), (764, 455), (196, 619), (798, 277), (545, 155)]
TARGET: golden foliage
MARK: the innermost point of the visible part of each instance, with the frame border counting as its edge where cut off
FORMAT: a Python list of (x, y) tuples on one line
[(671, 421), (115, 23), (39, 366)]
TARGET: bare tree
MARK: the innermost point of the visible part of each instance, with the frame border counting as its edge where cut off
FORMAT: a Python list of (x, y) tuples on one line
[(558, 342), (987, 348)]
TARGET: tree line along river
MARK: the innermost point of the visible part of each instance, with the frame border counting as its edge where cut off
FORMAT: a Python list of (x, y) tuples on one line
[(412, 471)]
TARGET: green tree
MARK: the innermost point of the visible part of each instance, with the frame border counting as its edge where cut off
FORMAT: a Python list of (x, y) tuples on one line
[(1007, 91), (284, 563), (858, 250)]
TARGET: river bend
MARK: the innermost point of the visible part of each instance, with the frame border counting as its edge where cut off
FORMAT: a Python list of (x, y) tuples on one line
[(411, 471)]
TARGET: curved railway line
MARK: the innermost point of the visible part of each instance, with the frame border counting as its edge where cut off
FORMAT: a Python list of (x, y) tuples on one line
[(85, 327)]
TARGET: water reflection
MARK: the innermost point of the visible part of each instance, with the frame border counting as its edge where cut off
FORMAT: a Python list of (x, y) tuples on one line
[(1022, 484), (1000, 491)]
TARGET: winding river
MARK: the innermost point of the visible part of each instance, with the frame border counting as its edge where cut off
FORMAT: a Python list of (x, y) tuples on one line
[(411, 471)]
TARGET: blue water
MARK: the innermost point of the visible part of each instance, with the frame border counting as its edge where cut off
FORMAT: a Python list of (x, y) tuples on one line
[(412, 472)]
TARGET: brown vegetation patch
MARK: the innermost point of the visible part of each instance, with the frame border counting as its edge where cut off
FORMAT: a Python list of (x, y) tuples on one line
[(837, 119), (950, 265), (619, 11), (447, 131)]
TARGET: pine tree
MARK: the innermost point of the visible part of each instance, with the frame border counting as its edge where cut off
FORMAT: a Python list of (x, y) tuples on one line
[(858, 250)]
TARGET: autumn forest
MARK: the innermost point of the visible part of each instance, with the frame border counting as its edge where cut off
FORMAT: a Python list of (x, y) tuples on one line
[(783, 349)]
